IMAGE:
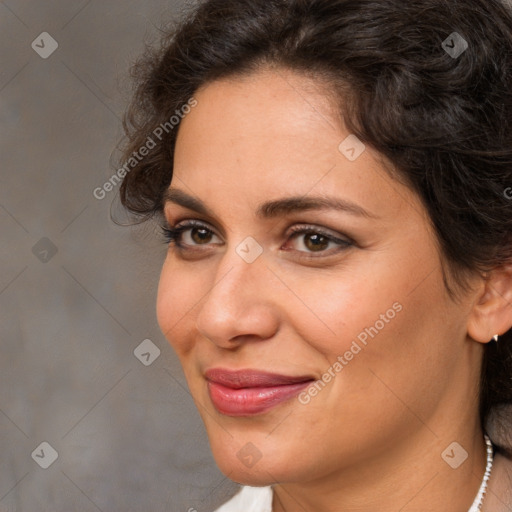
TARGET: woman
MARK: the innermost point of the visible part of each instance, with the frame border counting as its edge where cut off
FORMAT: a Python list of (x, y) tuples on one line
[(333, 180)]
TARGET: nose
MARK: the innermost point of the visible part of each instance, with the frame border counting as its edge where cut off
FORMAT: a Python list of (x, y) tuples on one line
[(239, 305)]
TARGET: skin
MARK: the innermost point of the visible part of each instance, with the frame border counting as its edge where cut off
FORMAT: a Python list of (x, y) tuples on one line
[(372, 439)]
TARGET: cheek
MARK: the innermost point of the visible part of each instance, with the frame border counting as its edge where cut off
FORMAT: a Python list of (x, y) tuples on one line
[(370, 295), (380, 328), (331, 310), (178, 292)]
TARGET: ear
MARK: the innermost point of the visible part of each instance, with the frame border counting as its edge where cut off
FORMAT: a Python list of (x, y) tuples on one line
[(492, 309)]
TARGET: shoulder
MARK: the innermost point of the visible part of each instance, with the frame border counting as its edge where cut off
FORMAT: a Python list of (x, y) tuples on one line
[(249, 499)]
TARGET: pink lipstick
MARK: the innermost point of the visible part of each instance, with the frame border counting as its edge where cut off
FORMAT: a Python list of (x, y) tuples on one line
[(249, 392)]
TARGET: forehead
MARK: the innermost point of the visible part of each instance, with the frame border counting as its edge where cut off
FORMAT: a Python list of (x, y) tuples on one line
[(272, 133)]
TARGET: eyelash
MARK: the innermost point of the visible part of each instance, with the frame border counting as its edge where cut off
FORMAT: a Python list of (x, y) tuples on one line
[(173, 234)]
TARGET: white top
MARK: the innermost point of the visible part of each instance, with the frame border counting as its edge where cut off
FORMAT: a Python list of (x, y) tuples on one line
[(249, 499)]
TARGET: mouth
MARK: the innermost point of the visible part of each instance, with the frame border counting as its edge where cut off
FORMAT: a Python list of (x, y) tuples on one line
[(250, 392)]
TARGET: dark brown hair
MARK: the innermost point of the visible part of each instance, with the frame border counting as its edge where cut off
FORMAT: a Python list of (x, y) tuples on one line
[(443, 120)]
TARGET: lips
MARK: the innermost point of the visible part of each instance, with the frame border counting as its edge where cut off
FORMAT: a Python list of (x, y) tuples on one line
[(249, 392)]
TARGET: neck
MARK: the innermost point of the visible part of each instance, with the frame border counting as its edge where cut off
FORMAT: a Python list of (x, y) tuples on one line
[(409, 475)]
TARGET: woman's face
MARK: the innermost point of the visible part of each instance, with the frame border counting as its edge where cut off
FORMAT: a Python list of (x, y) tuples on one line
[(356, 302)]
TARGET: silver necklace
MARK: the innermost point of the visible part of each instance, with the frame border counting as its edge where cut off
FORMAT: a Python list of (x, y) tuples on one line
[(479, 499)]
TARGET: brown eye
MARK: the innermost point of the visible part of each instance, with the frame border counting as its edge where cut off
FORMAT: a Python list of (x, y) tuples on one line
[(188, 235), (316, 242), (308, 240), (200, 235)]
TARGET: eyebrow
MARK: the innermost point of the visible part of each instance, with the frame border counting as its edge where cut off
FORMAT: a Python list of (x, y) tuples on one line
[(273, 208)]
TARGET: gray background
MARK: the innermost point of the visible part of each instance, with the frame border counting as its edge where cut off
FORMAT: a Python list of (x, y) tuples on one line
[(128, 436)]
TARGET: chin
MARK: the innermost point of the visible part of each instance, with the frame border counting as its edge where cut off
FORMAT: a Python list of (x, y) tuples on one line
[(255, 479), (260, 475), (252, 462)]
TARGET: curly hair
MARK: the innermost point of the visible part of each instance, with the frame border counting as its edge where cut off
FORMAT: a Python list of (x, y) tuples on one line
[(443, 119)]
